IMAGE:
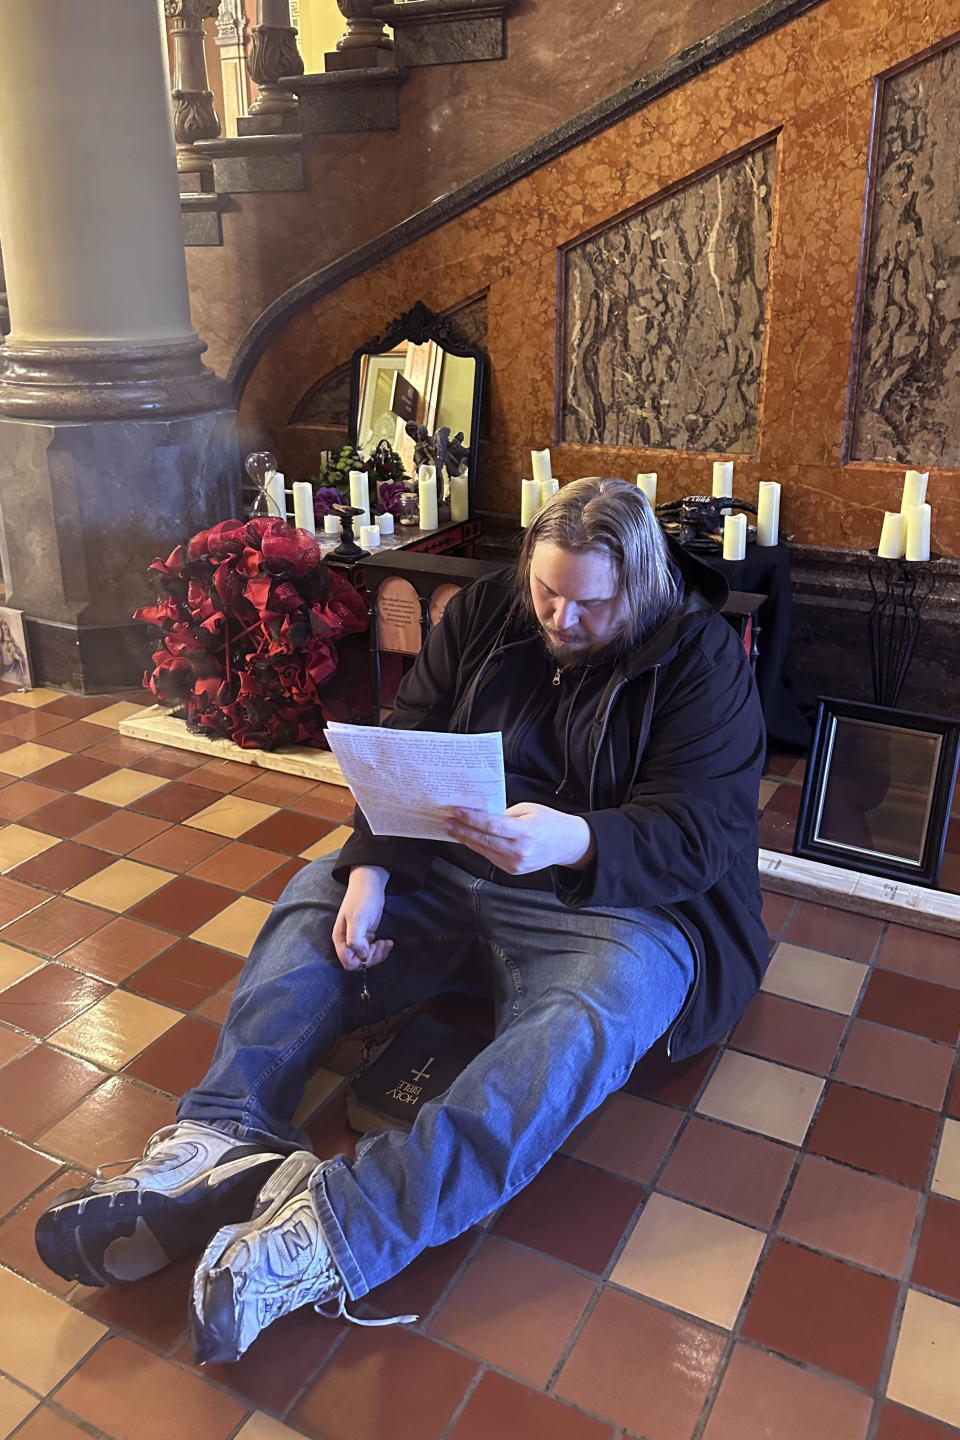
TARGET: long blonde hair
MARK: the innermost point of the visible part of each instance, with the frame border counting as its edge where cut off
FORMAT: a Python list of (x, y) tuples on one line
[(604, 513)]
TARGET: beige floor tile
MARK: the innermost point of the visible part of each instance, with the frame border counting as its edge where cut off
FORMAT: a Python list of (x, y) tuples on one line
[(19, 843), (230, 816), (758, 1095), (925, 1373), (110, 717), (321, 1084), (116, 1029), (768, 788), (328, 843), (25, 759), (236, 927), (15, 1405), (120, 885), (41, 1337), (32, 699), (14, 964), (122, 787), (817, 979), (690, 1259), (261, 1427), (946, 1176)]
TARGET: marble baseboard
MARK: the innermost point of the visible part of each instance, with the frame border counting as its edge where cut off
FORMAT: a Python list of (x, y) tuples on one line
[(914, 905), (159, 727)]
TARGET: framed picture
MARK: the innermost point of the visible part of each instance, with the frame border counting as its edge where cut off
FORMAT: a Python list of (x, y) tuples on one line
[(14, 656), (877, 791)]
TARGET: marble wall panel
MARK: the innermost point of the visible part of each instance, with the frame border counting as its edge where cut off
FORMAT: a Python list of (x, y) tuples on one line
[(664, 317), (908, 385)]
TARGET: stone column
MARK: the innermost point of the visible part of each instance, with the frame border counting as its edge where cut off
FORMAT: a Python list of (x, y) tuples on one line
[(194, 116), (115, 438), (273, 54)]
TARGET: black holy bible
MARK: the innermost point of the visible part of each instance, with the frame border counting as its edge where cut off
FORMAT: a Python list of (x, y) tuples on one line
[(420, 1063)]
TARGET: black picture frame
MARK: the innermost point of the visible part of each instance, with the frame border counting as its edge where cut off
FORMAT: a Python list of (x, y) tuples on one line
[(877, 790)]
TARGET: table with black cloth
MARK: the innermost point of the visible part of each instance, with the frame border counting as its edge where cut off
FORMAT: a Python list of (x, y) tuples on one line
[(766, 571)]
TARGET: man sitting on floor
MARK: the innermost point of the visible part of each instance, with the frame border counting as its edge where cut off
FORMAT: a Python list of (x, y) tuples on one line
[(615, 902)]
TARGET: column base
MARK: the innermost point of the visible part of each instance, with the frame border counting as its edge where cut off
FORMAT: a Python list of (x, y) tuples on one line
[(85, 508)]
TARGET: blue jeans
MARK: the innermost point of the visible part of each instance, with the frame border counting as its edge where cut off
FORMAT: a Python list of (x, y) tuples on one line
[(579, 996)]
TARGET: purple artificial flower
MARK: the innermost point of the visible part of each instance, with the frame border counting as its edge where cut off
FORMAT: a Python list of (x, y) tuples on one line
[(390, 498), (324, 500)]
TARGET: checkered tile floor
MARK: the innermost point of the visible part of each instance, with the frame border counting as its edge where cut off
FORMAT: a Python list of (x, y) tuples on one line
[(762, 1244)]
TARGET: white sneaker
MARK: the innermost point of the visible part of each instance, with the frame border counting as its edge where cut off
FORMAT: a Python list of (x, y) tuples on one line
[(192, 1178)]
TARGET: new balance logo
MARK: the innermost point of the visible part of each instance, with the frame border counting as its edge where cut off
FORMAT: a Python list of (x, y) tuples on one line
[(296, 1239)]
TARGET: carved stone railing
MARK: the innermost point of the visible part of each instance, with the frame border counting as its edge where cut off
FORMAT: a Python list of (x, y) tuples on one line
[(194, 116), (365, 45), (273, 55)]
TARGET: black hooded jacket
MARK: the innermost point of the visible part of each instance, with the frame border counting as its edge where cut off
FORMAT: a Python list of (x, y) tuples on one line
[(660, 750)]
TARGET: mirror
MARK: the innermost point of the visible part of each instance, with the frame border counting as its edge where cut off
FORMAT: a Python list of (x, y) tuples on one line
[(421, 370)]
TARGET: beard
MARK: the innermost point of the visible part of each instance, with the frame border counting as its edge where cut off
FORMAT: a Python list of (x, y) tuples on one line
[(577, 649)]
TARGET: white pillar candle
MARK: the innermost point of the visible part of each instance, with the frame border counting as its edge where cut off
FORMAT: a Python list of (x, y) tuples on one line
[(722, 478), (360, 495), (459, 497), (303, 506), (428, 497), (385, 523), (276, 495), (734, 537), (331, 524), (548, 488), (529, 500), (891, 540), (369, 537), (768, 513), (647, 482), (540, 460), (914, 489), (918, 533)]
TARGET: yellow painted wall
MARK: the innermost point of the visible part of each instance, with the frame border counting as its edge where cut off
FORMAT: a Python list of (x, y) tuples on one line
[(320, 25)]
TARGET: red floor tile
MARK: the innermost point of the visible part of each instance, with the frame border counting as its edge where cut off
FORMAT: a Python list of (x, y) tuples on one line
[(116, 750), (186, 974), (77, 707), (13, 1044), (874, 1133), (74, 773), (122, 947), (776, 832), (54, 926), (642, 1367), (288, 832), (779, 764), (17, 1245), (125, 1390), (271, 787), (179, 848), (153, 1311), (627, 1135), (179, 1059), (111, 1125), (237, 865), (327, 802), (279, 1363), (785, 800), (822, 1311), (23, 797), (953, 1104), (62, 866), (777, 910), (904, 1003), (122, 832), (672, 1082), (216, 1007), (937, 1266), (897, 1424), (221, 775), (416, 1290), (176, 801), (273, 887), (839, 932), (69, 815), (385, 1382), (22, 1171), (918, 953), (500, 1409), (731, 1171), (41, 1086), (171, 764), (17, 900), (514, 1308), (48, 998), (78, 735), (906, 1067), (33, 725), (791, 1034), (765, 1398), (330, 1134), (183, 905), (572, 1212), (859, 1217)]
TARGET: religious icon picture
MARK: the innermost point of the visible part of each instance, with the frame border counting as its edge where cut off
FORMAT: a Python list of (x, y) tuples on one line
[(877, 791), (14, 660)]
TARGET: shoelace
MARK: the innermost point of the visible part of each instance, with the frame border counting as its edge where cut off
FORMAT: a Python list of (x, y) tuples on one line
[(342, 1313), (121, 1165)]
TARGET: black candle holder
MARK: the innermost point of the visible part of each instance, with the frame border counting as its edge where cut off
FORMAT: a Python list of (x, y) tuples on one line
[(348, 549), (900, 588)]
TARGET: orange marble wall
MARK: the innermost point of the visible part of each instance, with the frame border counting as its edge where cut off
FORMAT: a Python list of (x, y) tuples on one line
[(812, 85)]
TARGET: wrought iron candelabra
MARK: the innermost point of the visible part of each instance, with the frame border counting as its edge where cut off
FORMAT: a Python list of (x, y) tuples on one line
[(900, 588)]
